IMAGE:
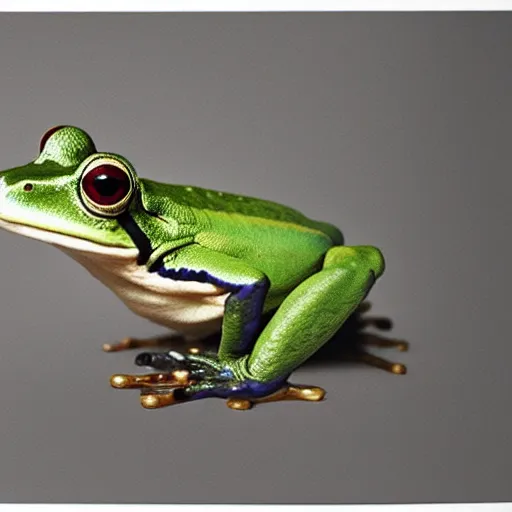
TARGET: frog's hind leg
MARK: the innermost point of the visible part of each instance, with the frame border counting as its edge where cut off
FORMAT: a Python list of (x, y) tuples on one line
[(315, 311)]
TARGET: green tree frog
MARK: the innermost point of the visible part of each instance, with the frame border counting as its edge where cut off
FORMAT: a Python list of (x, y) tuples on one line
[(196, 261)]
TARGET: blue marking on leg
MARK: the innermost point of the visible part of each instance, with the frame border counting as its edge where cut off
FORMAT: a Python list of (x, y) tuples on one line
[(255, 293), (245, 389)]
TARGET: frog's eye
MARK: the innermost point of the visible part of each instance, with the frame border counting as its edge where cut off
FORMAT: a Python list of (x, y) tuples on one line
[(47, 135), (106, 188)]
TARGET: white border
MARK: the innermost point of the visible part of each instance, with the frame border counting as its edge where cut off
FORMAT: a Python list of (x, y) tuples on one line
[(444, 507), (253, 5)]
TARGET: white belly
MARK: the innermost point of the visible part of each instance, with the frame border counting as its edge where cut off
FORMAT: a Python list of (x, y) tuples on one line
[(188, 307)]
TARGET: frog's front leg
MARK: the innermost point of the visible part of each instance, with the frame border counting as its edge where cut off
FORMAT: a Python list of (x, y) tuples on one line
[(217, 374)]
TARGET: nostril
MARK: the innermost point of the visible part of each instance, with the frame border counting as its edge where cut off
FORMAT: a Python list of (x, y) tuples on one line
[(143, 359), (28, 187)]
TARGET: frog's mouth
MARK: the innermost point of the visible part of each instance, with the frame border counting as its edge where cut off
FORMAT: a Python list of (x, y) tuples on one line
[(68, 242)]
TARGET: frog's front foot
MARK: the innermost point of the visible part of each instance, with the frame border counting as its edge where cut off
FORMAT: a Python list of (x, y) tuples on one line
[(183, 378)]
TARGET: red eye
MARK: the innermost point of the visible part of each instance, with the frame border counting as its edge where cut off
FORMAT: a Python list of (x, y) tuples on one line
[(47, 135), (106, 185)]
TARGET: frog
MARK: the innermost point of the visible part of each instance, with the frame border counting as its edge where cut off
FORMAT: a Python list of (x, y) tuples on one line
[(275, 284)]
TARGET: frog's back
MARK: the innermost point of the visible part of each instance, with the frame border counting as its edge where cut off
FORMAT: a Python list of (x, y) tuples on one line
[(249, 207)]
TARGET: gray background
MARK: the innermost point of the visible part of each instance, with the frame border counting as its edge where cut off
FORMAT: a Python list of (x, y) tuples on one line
[(396, 127)]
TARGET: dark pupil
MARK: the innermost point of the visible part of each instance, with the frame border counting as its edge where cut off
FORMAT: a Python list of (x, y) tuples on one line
[(106, 185)]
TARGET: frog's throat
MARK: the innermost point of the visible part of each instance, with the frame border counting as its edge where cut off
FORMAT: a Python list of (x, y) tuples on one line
[(69, 242), (192, 308)]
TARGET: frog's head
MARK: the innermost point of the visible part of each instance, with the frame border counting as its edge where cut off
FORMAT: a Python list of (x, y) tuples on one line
[(71, 195)]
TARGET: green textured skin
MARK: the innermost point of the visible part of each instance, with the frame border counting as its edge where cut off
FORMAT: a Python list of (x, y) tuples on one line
[(315, 282)]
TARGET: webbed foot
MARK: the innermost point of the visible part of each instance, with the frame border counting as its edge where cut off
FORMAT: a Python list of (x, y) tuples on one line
[(183, 378)]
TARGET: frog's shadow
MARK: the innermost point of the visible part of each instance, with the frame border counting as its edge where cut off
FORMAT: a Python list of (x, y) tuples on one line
[(342, 349)]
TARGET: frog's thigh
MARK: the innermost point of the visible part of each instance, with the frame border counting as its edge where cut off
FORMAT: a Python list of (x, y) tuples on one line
[(314, 311)]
